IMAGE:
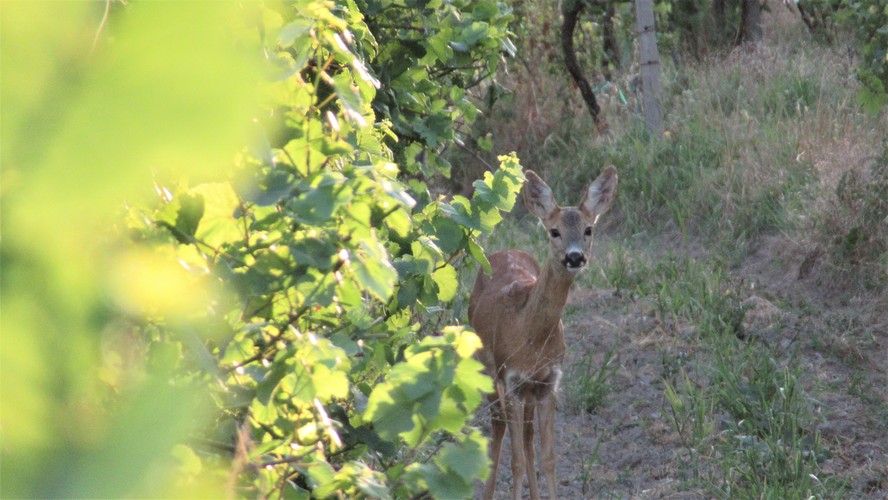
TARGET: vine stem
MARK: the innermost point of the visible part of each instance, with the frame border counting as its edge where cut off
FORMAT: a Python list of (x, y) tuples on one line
[(475, 155), (101, 26)]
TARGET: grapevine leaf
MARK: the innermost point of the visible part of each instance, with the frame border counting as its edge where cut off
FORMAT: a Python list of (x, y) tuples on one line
[(291, 31), (218, 225), (390, 417), (191, 210), (477, 253), (374, 272), (447, 282), (468, 459)]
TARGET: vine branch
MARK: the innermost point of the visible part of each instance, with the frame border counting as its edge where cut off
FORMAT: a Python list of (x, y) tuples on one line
[(571, 15)]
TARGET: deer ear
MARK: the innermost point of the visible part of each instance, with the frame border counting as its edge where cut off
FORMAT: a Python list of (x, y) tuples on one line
[(537, 196), (600, 195)]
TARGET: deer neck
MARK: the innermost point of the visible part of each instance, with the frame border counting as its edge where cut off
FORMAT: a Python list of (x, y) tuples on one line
[(548, 297)]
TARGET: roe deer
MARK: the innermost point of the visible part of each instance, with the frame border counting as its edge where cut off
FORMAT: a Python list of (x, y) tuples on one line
[(517, 313)]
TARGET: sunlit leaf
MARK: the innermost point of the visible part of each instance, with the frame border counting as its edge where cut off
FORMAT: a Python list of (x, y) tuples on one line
[(478, 254), (373, 270), (390, 417), (330, 383), (447, 282), (219, 224), (293, 30), (468, 459)]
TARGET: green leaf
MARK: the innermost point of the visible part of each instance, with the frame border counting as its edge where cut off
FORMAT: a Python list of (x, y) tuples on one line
[(218, 225), (444, 484), (477, 253), (390, 417), (501, 188), (460, 210), (314, 252), (420, 383), (445, 410), (329, 383), (373, 271), (269, 189), (165, 357), (189, 462), (237, 351), (293, 30), (319, 473), (474, 32), (315, 206), (449, 235), (468, 458), (472, 381), (447, 282), (191, 210), (439, 47), (349, 97), (459, 46), (408, 291), (270, 383), (299, 384)]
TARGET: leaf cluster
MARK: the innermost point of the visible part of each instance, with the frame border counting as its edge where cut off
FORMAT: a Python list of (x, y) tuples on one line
[(275, 318), (331, 364), (867, 22)]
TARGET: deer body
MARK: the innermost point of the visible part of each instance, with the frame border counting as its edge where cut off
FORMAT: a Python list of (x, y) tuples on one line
[(516, 312)]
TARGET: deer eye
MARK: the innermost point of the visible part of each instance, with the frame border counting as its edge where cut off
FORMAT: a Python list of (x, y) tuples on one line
[(588, 231), (555, 233)]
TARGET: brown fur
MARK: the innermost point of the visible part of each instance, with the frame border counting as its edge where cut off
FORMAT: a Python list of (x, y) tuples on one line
[(516, 312)]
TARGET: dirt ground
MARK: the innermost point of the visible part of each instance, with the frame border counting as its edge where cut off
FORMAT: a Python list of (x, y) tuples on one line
[(629, 449)]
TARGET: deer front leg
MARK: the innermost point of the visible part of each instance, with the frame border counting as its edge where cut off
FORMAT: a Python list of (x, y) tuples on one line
[(529, 454), (547, 440), (498, 430), (516, 435)]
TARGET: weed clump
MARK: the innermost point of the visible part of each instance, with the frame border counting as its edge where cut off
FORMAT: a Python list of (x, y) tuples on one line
[(859, 247), (587, 383)]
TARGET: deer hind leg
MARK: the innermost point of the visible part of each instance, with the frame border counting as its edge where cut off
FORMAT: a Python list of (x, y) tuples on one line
[(498, 430), (529, 454), (547, 440)]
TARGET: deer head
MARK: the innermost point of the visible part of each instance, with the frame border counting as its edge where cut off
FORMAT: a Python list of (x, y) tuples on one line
[(570, 228)]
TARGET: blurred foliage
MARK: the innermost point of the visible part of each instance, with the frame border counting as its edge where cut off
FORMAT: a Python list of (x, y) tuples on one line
[(867, 21), (870, 19), (267, 320), (83, 127)]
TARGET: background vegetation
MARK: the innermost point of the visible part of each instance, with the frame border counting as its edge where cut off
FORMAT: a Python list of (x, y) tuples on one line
[(733, 317), (233, 263)]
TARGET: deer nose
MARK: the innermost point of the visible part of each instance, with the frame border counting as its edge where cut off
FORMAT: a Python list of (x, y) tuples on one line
[(574, 259)]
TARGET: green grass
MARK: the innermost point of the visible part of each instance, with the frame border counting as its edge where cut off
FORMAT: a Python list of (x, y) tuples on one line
[(769, 448), (679, 288), (586, 382), (744, 420), (746, 425)]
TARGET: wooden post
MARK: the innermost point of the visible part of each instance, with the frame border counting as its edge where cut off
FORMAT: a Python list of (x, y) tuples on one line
[(651, 90)]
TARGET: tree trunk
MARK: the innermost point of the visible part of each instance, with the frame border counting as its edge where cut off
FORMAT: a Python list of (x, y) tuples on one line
[(751, 23), (571, 11), (650, 66), (608, 34), (721, 26)]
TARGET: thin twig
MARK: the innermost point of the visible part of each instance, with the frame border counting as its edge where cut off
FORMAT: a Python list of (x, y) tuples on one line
[(101, 26), (475, 155)]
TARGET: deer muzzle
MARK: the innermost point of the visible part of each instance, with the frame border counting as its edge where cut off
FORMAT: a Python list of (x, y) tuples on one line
[(574, 261)]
